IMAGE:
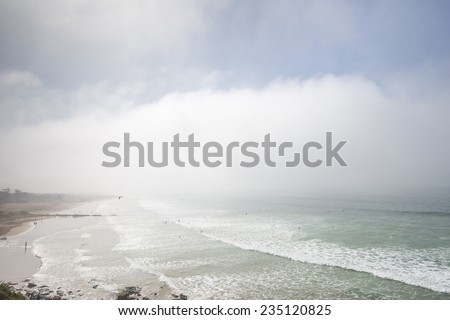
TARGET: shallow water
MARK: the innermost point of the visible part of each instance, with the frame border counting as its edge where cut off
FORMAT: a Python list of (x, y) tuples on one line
[(251, 248), (288, 248)]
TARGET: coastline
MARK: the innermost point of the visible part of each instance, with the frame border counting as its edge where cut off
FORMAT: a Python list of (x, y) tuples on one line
[(19, 261), (16, 218), (20, 229), (123, 249), (21, 268)]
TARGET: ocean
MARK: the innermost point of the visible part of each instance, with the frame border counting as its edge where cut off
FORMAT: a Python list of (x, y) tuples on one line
[(253, 247)]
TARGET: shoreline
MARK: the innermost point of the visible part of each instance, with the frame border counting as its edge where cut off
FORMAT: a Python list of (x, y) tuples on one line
[(94, 258), (14, 217), (26, 271), (20, 262), (19, 230)]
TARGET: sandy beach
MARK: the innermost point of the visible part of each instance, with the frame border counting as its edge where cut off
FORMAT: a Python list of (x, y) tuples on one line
[(16, 218), (26, 271), (22, 223)]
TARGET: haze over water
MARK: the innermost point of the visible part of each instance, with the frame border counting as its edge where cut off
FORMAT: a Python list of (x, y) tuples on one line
[(260, 248)]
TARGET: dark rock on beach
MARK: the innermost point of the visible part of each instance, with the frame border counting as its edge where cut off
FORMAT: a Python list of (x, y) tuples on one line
[(130, 293), (179, 297), (29, 290)]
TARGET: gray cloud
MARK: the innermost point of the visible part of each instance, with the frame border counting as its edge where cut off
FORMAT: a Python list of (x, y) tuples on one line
[(393, 142), (74, 75)]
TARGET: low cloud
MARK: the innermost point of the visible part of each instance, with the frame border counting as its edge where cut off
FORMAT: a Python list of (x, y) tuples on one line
[(392, 142)]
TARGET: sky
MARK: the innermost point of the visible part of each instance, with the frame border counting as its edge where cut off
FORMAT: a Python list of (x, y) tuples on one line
[(77, 74)]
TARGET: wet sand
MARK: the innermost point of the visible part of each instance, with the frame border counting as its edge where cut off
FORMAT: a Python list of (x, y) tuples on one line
[(16, 218), (71, 230), (17, 262)]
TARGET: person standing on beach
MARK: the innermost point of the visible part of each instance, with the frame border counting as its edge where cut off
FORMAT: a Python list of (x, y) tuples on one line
[(26, 243)]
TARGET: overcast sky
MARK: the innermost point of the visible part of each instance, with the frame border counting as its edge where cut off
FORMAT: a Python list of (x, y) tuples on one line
[(76, 74)]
